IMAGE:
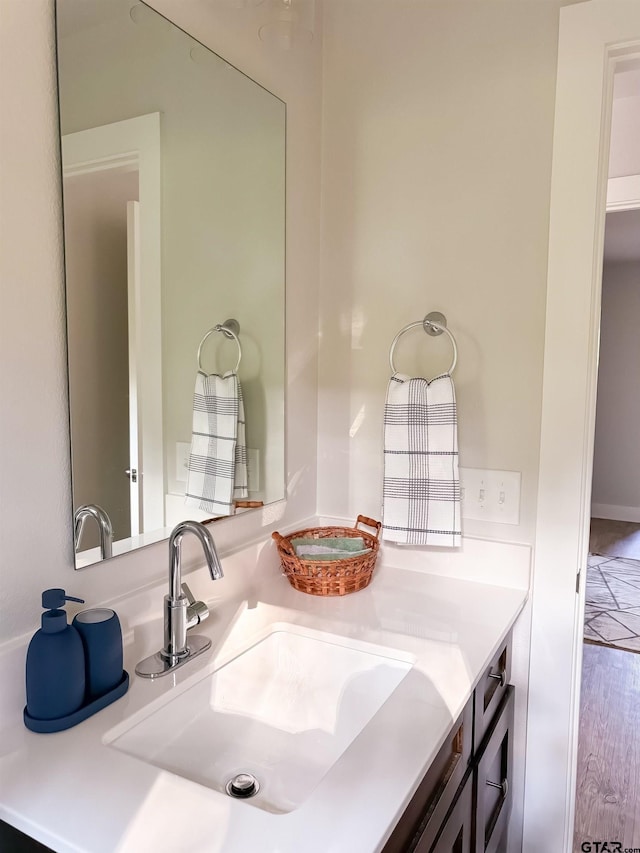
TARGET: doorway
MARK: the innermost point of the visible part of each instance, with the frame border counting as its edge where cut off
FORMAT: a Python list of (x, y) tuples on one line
[(612, 599), (608, 775), (97, 299)]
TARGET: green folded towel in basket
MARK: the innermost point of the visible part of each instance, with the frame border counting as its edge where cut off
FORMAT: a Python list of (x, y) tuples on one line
[(329, 548), (335, 555)]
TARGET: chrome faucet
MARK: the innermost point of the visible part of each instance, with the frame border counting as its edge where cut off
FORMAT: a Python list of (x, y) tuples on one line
[(181, 611), (104, 527)]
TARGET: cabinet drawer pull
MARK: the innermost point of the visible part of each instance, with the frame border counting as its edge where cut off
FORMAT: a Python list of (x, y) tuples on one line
[(504, 786), (499, 676)]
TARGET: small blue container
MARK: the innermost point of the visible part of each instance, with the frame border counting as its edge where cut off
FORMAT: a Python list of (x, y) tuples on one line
[(55, 662), (101, 637)]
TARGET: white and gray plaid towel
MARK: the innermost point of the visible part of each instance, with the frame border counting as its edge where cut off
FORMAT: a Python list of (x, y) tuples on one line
[(421, 491), (217, 473)]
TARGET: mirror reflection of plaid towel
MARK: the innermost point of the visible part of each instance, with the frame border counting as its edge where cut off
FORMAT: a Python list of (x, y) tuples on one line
[(421, 489), (217, 470)]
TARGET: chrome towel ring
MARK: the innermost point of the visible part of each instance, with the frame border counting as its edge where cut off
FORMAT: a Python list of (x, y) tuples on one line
[(434, 324), (230, 329)]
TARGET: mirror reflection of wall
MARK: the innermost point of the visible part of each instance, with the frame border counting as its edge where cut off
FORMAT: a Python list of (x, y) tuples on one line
[(173, 165)]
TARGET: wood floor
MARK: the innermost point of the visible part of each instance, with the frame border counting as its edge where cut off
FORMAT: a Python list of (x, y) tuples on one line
[(608, 789)]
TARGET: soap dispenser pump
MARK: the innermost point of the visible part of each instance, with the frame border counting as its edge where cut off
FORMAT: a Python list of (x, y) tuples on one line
[(55, 662)]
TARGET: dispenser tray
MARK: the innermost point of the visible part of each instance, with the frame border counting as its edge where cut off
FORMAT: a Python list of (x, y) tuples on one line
[(61, 723)]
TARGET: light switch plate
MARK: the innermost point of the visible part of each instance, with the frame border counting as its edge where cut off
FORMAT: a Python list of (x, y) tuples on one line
[(253, 469), (490, 495), (183, 449)]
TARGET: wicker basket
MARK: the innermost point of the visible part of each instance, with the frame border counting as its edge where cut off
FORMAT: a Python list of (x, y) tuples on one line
[(331, 577)]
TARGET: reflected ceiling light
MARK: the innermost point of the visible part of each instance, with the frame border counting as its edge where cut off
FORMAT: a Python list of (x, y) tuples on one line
[(140, 13), (291, 24)]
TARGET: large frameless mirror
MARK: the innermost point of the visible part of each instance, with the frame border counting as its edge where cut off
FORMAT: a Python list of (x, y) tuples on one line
[(174, 191)]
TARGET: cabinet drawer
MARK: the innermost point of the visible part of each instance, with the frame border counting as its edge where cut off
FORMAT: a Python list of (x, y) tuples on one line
[(490, 691), (424, 814), (455, 835), (493, 775)]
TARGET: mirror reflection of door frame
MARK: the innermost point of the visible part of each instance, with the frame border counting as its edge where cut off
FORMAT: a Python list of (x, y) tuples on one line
[(135, 143), (133, 316)]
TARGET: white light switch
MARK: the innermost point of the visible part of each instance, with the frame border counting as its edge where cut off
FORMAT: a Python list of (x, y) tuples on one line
[(490, 495)]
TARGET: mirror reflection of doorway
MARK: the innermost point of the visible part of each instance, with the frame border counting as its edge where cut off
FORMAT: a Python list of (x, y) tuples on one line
[(97, 315), (112, 251)]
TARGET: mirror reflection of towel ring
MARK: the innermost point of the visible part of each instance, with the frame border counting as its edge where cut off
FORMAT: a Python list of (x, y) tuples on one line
[(230, 329), (433, 324)]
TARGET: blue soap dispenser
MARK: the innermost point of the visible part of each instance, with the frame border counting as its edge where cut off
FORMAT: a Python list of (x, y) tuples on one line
[(55, 663)]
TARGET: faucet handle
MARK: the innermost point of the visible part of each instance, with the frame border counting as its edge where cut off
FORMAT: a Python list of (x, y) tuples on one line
[(188, 593), (197, 611)]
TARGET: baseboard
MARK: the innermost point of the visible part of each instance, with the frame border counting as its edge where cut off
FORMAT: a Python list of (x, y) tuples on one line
[(615, 513)]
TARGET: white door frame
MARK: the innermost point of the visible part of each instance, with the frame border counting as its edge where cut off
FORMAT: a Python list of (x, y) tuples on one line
[(596, 39), (136, 142), (136, 439)]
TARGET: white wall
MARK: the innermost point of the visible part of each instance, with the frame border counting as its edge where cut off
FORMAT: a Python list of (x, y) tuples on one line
[(35, 503), (437, 135), (616, 463)]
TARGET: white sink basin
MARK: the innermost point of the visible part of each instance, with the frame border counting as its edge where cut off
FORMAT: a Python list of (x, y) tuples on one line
[(284, 710)]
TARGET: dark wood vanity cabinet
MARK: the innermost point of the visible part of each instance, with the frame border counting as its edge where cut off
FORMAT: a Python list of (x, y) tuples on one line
[(490, 692), (456, 833), (492, 774), (464, 801), (428, 809)]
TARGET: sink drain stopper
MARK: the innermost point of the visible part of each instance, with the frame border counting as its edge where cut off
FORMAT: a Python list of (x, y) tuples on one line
[(242, 786)]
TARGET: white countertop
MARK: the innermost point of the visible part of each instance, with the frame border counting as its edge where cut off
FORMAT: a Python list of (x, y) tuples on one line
[(73, 792)]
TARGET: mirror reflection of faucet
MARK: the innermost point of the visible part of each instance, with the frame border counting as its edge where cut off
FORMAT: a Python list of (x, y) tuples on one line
[(181, 611), (105, 527)]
